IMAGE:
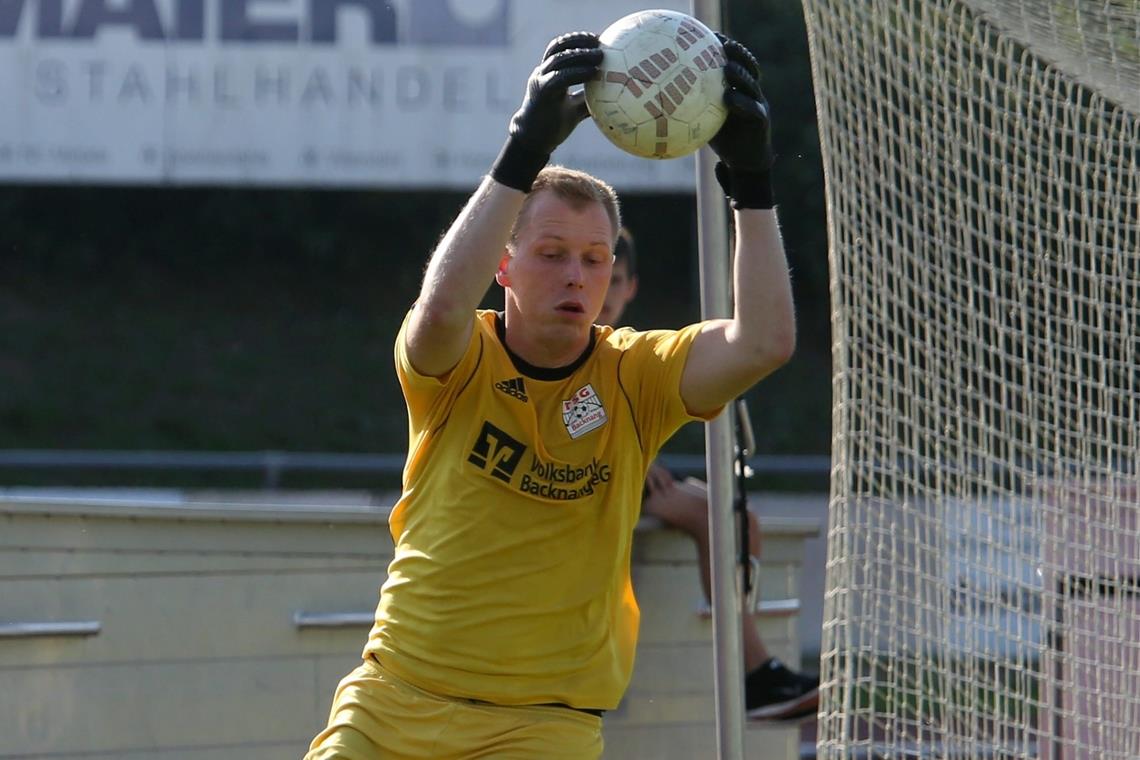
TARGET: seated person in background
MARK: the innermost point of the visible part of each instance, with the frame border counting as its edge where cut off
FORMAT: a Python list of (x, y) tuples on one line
[(772, 690)]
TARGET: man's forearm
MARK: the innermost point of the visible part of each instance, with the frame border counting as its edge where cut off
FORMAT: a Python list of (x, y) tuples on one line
[(465, 261), (457, 278), (764, 314)]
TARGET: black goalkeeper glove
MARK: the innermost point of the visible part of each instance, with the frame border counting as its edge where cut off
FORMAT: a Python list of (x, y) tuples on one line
[(548, 113), (744, 143)]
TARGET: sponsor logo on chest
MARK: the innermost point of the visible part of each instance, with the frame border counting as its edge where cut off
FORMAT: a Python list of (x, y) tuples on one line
[(583, 412)]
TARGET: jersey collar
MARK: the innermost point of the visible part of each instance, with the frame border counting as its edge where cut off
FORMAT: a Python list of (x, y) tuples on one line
[(541, 373)]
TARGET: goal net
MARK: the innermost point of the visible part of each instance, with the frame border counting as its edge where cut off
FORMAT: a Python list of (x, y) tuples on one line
[(983, 571)]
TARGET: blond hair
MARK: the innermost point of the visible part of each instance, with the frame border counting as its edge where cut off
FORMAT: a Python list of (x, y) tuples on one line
[(575, 187)]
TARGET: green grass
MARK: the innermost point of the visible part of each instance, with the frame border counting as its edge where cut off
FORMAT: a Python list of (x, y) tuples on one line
[(990, 691)]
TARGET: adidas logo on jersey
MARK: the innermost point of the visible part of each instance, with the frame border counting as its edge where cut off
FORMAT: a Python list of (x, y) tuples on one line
[(513, 387)]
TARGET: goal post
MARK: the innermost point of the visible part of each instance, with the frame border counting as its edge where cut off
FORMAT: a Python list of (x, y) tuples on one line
[(983, 191)]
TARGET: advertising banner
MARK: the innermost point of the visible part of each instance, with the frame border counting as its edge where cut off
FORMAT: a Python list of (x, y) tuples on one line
[(314, 93)]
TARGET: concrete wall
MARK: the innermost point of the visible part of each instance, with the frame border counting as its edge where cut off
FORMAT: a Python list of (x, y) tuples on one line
[(202, 626), (811, 507)]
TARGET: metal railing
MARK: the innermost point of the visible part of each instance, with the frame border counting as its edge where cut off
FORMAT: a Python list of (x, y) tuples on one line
[(274, 464)]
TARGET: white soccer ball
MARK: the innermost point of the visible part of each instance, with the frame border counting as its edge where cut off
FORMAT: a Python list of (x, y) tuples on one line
[(660, 89)]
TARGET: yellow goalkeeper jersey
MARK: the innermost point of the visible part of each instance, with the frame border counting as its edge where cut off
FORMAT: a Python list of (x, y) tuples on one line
[(510, 581)]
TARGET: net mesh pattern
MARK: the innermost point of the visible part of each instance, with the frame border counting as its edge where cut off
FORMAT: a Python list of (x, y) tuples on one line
[(983, 571)]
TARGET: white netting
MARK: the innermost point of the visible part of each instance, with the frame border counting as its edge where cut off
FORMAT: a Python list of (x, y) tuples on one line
[(984, 217)]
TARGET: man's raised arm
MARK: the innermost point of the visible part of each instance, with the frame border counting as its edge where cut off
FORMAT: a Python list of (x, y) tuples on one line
[(731, 355), (462, 266)]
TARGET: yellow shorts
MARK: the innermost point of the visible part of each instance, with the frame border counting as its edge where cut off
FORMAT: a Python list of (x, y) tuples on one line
[(376, 715)]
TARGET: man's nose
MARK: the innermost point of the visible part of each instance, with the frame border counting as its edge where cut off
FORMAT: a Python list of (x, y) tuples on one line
[(574, 276)]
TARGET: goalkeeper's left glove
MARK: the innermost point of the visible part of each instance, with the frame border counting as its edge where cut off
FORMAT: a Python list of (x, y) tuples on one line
[(744, 142)]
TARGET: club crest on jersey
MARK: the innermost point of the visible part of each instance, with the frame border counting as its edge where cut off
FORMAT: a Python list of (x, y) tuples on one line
[(583, 412)]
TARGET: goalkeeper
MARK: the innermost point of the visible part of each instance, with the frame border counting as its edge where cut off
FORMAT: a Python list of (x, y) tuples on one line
[(507, 625)]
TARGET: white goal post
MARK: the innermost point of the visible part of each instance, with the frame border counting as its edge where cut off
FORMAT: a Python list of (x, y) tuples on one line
[(983, 189)]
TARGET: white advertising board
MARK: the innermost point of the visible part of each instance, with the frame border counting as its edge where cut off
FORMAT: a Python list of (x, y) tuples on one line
[(335, 93)]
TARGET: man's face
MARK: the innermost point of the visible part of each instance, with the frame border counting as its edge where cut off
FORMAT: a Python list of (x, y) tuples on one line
[(560, 269), (623, 287)]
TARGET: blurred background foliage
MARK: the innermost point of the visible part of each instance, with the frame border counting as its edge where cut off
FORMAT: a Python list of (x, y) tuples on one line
[(253, 319)]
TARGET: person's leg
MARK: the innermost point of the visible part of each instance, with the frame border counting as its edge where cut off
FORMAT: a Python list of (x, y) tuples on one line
[(685, 507), (772, 690)]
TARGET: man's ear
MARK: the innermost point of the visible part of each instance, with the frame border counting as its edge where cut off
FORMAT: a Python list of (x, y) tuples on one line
[(502, 276), (632, 287)]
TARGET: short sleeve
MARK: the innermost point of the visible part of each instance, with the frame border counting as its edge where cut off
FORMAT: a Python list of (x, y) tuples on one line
[(428, 396), (652, 365)]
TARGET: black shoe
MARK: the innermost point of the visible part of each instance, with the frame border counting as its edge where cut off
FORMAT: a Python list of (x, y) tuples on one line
[(773, 692)]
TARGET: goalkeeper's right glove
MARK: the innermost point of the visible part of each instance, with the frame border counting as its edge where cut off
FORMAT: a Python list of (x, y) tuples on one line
[(548, 114), (744, 142)]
